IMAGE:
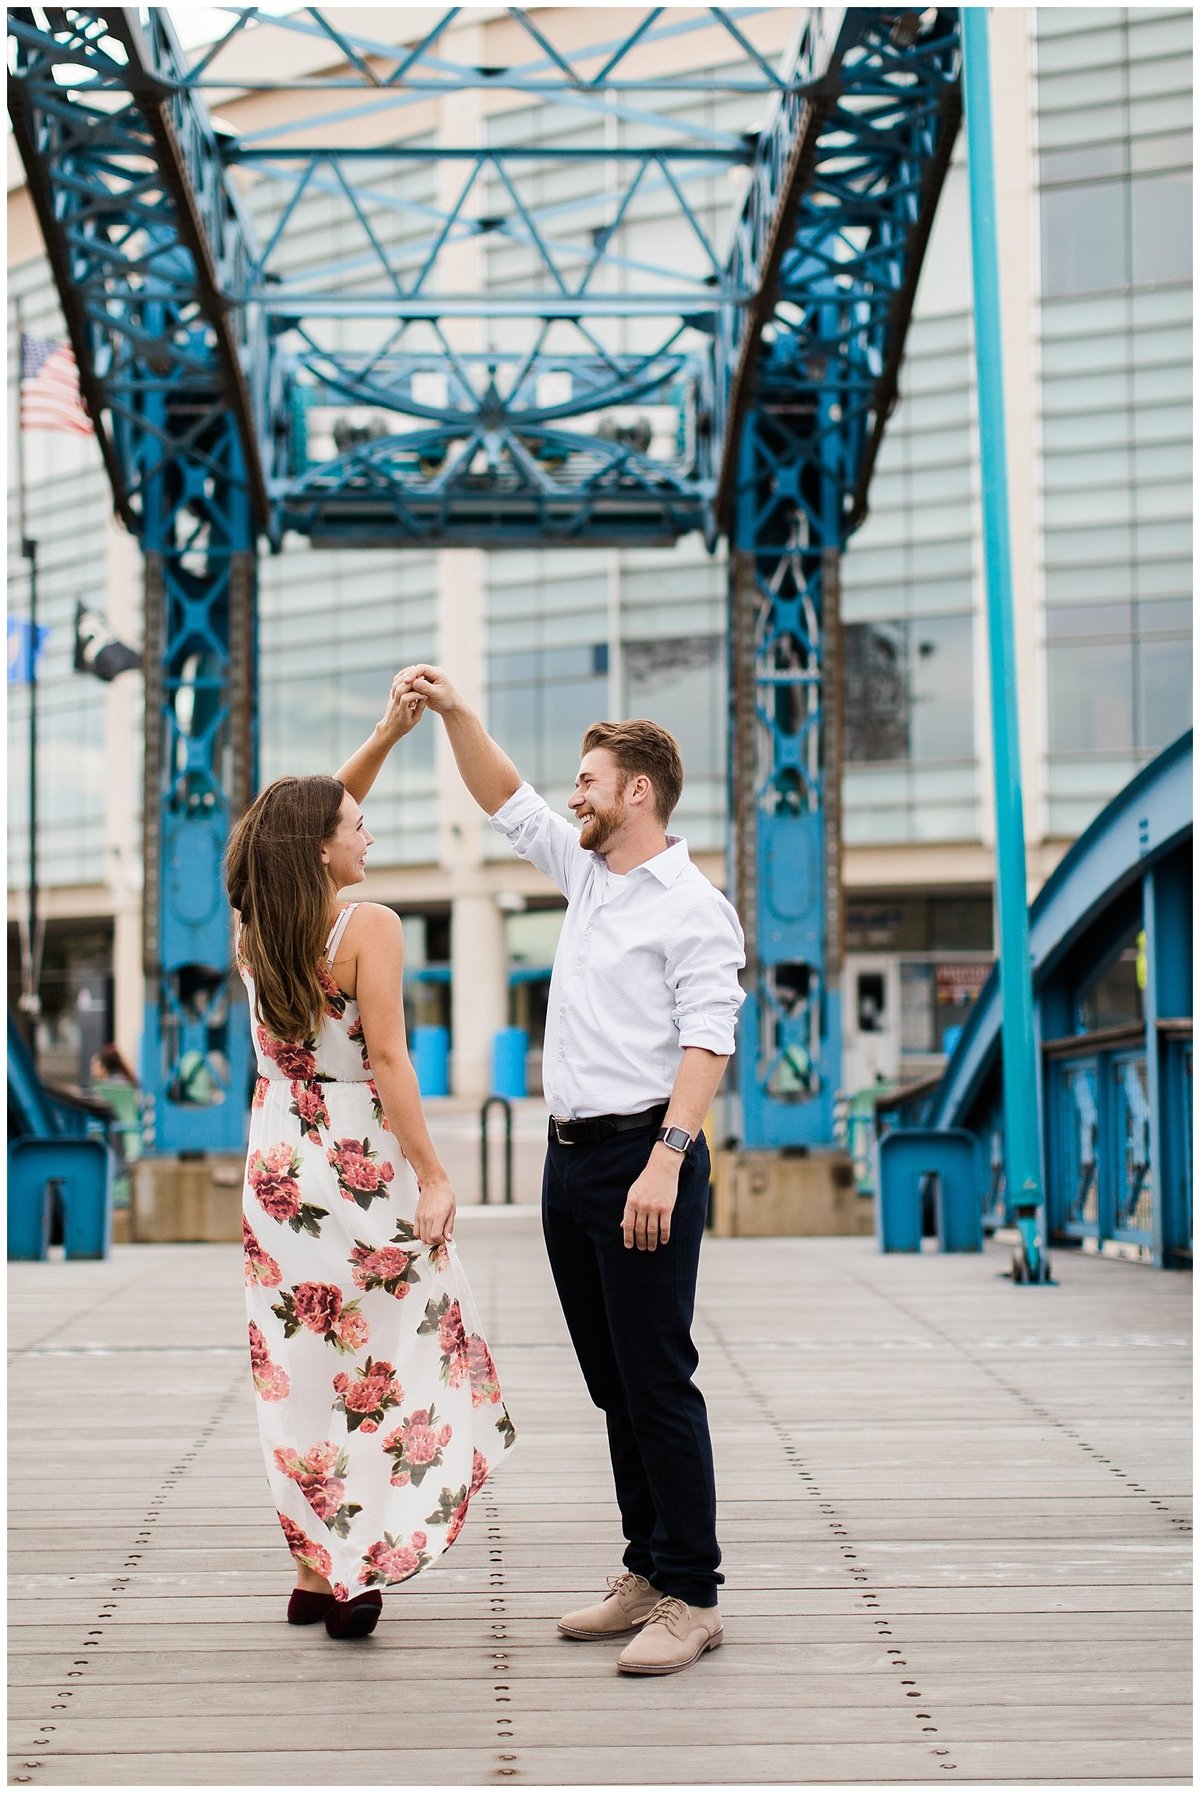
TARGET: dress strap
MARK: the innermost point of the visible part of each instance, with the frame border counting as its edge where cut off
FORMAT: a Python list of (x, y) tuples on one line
[(336, 932)]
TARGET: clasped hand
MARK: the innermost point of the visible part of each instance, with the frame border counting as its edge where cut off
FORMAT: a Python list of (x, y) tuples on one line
[(646, 1222), (405, 708), (434, 1219)]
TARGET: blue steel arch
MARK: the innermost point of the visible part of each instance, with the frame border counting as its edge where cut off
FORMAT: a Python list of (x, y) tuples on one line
[(200, 355), (1131, 866)]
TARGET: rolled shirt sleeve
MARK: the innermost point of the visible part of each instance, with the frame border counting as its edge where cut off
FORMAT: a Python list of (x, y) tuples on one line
[(535, 832), (704, 955)]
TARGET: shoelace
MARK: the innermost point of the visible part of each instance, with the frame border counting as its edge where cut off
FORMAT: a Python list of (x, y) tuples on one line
[(617, 1584), (668, 1610)]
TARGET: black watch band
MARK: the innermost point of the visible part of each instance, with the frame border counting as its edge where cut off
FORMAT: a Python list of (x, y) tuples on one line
[(676, 1139)]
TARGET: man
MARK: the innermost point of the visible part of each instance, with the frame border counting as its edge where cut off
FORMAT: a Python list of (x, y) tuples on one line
[(640, 1026)]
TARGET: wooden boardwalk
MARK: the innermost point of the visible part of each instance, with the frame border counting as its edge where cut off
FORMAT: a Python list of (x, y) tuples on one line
[(955, 1518)]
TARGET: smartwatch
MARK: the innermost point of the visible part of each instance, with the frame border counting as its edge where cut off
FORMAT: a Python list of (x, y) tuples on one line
[(675, 1139)]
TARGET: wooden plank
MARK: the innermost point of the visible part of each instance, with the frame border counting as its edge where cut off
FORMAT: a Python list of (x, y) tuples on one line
[(963, 1506)]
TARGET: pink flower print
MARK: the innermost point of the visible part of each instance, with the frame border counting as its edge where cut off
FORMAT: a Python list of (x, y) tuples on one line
[(317, 1305), (416, 1446), (451, 1511), (479, 1471), (260, 1266), (355, 1032), (485, 1383), (324, 1495), (273, 1175), (367, 1395), (380, 1118), (321, 1477), (270, 1379), (308, 1105), (361, 1176), (389, 1560), (313, 1556), (445, 1318), (261, 1086), (387, 1267), (340, 1591), (335, 999), (295, 1061), (352, 1330)]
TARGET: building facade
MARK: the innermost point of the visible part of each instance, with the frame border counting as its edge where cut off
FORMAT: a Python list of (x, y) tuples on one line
[(1092, 110)]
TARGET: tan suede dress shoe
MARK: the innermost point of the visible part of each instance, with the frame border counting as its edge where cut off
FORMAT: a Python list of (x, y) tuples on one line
[(628, 1603), (673, 1637)]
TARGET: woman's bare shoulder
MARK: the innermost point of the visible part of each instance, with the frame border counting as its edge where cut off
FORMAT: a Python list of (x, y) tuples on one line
[(374, 921)]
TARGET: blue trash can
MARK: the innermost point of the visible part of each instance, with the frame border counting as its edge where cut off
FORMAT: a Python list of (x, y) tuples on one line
[(431, 1060), (509, 1048)]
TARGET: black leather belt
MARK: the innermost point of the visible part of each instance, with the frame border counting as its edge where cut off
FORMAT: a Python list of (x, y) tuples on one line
[(602, 1126)]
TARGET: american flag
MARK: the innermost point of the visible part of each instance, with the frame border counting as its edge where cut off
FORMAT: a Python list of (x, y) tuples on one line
[(50, 398)]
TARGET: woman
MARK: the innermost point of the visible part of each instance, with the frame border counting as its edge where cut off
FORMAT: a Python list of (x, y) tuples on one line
[(378, 1402)]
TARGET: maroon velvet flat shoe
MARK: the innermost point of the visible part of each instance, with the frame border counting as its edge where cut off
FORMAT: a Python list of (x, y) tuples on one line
[(355, 1618), (306, 1608)]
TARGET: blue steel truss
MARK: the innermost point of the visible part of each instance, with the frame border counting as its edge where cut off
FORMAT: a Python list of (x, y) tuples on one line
[(767, 370)]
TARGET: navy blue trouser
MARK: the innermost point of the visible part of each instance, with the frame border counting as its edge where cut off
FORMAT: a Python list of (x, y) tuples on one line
[(629, 1314)]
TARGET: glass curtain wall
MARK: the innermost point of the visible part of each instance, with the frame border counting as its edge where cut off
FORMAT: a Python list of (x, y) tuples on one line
[(1114, 101), (67, 504), (910, 589), (574, 635), (334, 624)]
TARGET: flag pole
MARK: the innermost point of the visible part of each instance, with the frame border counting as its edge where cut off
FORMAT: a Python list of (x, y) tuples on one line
[(32, 954)]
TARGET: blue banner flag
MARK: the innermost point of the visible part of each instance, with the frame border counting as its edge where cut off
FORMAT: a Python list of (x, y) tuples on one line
[(23, 652)]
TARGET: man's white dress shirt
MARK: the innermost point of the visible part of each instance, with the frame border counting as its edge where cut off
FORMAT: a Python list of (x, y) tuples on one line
[(647, 964)]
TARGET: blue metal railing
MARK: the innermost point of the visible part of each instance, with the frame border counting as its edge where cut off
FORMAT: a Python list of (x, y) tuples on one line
[(1103, 1181)]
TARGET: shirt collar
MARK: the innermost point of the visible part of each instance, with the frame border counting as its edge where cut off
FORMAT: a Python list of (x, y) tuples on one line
[(668, 864)]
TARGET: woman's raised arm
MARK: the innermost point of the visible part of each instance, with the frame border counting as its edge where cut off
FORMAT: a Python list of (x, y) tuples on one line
[(404, 711)]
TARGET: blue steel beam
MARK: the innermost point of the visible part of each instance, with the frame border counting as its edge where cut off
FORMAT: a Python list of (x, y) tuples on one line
[(830, 243)]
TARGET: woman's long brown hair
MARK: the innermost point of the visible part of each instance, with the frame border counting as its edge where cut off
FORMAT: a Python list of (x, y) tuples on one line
[(276, 879)]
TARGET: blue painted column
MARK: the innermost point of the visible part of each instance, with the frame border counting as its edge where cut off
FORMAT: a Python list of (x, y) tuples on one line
[(1022, 1157)]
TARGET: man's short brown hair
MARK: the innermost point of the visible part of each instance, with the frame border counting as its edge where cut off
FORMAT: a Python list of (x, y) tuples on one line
[(643, 749)]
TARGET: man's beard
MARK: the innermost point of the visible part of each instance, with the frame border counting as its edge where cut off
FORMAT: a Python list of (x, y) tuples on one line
[(598, 831)]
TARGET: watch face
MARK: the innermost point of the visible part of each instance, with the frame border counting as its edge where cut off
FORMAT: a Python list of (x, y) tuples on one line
[(676, 1138)]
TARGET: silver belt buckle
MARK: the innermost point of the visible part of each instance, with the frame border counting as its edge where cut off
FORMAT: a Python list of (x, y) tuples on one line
[(557, 1124)]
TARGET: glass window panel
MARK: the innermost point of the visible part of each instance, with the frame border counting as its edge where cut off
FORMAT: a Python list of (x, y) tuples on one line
[(1162, 498), (1168, 304), (1090, 312), (1167, 112), (680, 685), (877, 708), (1152, 36), (1071, 621), (1090, 697), (1100, 465), (1082, 394), (1057, 21), (1084, 546), (1084, 163), (1162, 538), (1103, 84), (1165, 74), (1171, 151), (1092, 355), (1164, 461), (942, 676), (1079, 49), (1162, 423), (1164, 576), (1111, 580), (1084, 238), (1162, 228), (1099, 504), (1165, 614), (1164, 691)]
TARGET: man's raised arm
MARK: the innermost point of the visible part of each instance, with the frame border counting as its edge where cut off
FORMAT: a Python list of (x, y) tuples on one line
[(485, 768)]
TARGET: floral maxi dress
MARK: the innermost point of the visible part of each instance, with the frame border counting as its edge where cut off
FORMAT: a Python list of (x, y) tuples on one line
[(378, 1401)]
